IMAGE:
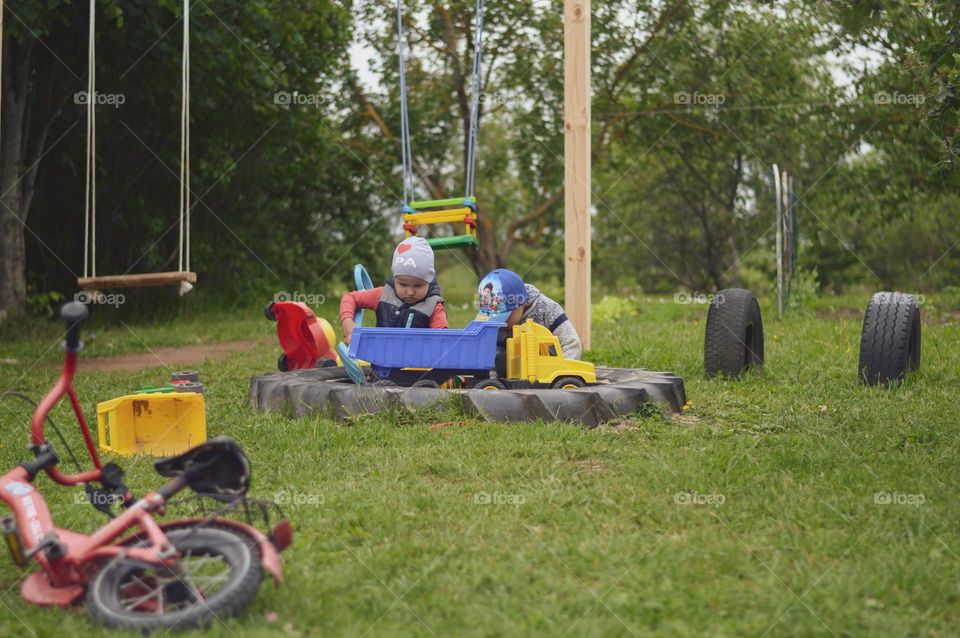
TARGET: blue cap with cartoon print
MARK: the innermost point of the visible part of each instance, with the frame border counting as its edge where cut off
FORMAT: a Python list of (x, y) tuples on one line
[(500, 292)]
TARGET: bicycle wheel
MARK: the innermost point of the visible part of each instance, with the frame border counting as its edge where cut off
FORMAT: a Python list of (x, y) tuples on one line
[(217, 576)]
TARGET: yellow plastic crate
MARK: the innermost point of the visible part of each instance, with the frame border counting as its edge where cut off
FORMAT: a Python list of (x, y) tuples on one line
[(154, 424)]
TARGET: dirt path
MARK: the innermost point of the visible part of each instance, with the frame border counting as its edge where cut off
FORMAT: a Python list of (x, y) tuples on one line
[(169, 357)]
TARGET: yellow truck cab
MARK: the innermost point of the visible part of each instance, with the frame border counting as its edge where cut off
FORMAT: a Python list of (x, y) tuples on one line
[(534, 355)]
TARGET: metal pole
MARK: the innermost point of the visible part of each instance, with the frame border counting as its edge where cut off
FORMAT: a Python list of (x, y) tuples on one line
[(778, 195)]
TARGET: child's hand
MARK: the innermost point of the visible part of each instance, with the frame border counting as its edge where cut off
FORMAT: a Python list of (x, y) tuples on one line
[(346, 326)]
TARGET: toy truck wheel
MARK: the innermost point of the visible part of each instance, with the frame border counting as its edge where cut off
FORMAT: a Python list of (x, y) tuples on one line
[(326, 363), (426, 383), (185, 375), (490, 384), (268, 312), (568, 383), (282, 364), (384, 383), (733, 342), (890, 339)]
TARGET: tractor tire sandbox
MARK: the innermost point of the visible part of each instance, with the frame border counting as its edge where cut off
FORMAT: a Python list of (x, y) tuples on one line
[(329, 392)]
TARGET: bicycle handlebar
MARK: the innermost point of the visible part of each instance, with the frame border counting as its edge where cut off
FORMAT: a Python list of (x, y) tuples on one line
[(74, 313)]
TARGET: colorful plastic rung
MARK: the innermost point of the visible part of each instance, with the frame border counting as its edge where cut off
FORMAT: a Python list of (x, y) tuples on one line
[(457, 241), (444, 211), (444, 203), (449, 216)]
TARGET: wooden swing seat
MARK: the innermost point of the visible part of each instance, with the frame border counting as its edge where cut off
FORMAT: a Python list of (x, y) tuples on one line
[(109, 282)]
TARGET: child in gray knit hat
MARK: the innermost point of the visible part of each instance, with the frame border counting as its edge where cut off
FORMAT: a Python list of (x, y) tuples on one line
[(410, 299)]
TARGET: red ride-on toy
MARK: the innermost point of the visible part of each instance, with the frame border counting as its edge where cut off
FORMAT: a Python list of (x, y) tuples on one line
[(138, 572), (307, 340)]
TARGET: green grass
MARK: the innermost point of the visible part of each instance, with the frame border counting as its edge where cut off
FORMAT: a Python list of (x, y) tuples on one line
[(583, 533)]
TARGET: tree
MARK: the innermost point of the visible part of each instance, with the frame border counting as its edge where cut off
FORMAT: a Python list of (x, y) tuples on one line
[(275, 189), (891, 203), (923, 38), (522, 103), (37, 84), (686, 193)]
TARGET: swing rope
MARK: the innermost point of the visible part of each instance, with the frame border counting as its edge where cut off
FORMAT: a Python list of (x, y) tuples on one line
[(185, 140), (406, 153), (183, 275), (90, 193), (475, 106)]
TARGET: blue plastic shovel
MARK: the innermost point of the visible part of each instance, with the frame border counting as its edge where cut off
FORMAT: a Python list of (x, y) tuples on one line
[(363, 282)]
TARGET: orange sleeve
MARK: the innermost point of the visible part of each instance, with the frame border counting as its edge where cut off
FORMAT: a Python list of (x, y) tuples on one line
[(353, 301), (439, 317)]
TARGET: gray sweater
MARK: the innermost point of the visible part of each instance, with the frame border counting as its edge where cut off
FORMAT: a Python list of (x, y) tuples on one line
[(548, 313)]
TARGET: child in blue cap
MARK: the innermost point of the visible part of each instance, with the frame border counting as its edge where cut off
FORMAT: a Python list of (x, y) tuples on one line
[(504, 297)]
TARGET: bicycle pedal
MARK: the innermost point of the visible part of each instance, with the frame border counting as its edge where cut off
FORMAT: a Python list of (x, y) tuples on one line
[(49, 543), (14, 543)]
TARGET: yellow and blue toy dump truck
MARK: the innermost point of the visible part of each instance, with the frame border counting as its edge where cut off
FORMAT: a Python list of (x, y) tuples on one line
[(534, 358)]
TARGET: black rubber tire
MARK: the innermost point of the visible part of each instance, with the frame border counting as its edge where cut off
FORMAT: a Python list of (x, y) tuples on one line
[(576, 382), (490, 384), (234, 548), (282, 364), (733, 342), (189, 386), (268, 312), (384, 383), (890, 339), (185, 375), (426, 383), (326, 363)]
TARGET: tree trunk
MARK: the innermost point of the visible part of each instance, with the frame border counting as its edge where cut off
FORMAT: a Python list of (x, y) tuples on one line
[(486, 257), (735, 268), (13, 281)]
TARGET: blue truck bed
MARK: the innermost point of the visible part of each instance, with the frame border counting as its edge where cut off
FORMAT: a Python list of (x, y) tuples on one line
[(389, 349)]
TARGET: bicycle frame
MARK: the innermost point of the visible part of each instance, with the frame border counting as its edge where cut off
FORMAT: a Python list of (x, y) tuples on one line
[(64, 385), (77, 556), (70, 560)]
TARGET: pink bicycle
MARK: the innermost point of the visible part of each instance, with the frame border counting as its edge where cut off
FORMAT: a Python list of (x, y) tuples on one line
[(138, 572)]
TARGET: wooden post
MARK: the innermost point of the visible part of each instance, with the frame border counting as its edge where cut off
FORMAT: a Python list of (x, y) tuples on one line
[(576, 158)]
